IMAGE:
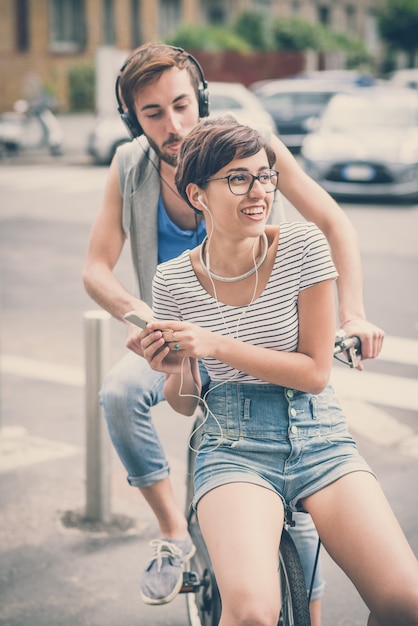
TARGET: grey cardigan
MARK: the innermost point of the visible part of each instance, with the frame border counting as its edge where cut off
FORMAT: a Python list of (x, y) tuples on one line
[(140, 183)]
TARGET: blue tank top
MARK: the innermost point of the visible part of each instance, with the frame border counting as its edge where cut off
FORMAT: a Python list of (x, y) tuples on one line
[(172, 240)]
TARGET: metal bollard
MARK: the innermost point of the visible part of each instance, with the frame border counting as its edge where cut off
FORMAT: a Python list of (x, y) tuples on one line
[(96, 338)]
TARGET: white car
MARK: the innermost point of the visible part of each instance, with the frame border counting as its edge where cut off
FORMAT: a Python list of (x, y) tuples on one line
[(366, 145), (224, 98)]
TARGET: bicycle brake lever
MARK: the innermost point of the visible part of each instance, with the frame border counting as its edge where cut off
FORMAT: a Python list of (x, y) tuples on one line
[(353, 357)]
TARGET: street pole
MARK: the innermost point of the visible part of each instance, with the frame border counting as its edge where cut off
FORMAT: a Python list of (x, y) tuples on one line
[(96, 333)]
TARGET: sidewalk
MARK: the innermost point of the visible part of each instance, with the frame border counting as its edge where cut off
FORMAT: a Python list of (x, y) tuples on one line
[(54, 573)]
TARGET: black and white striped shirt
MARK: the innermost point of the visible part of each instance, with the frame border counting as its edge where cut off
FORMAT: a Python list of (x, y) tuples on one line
[(271, 321)]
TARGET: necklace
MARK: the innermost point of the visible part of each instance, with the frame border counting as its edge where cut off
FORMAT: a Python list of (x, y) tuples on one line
[(233, 279)]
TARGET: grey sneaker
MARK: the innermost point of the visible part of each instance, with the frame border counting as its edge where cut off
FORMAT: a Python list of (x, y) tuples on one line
[(163, 578)]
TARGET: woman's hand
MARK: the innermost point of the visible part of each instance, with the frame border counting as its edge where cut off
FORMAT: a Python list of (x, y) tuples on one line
[(371, 337), (176, 341), (160, 354)]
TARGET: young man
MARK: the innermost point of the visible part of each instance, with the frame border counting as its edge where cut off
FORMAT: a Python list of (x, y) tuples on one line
[(163, 94)]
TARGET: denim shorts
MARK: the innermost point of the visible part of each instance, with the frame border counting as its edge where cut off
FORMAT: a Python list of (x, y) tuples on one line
[(291, 442)]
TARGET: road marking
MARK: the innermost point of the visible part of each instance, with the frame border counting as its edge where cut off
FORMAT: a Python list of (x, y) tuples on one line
[(65, 179), (383, 389), (357, 391), (400, 350), (42, 370), (17, 449), (379, 427)]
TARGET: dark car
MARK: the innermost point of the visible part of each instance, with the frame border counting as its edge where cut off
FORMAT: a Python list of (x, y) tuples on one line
[(294, 102)]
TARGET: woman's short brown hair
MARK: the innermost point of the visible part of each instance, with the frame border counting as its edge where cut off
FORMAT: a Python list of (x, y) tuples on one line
[(211, 145)]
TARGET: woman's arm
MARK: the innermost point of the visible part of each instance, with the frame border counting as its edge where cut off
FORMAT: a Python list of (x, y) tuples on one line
[(182, 391), (317, 206), (306, 370)]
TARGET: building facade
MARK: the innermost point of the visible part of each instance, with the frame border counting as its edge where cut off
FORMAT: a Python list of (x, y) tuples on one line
[(40, 40)]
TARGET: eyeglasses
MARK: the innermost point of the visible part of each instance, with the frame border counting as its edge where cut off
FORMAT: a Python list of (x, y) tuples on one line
[(241, 183)]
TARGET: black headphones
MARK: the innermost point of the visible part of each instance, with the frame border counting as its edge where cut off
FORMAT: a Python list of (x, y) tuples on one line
[(129, 118)]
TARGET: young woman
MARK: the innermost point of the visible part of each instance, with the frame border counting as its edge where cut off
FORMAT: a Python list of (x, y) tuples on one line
[(255, 303)]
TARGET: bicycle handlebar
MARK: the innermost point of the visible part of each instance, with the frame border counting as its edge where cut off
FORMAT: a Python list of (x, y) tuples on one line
[(351, 346)]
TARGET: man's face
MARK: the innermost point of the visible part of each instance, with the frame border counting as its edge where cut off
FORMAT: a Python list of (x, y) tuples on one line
[(167, 110)]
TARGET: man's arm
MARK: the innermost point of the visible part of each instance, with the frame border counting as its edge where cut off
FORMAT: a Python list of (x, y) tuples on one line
[(105, 246), (317, 206)]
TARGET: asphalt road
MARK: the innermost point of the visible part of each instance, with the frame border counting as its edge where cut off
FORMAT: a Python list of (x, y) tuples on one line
[(51, 574)]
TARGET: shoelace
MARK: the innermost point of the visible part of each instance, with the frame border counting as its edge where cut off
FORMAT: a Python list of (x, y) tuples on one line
[(163, 549)]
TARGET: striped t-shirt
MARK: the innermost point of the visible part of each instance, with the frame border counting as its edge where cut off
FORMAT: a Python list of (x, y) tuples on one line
[(271, 321)]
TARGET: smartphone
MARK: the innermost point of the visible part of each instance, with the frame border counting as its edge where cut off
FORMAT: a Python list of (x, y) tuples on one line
[(136, 318)]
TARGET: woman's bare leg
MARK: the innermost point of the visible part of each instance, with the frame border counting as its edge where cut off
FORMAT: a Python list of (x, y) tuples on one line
[(241, 524), (361, 533)]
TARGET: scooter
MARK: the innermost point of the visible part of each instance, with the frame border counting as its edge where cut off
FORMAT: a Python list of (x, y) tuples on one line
[(30, 126)]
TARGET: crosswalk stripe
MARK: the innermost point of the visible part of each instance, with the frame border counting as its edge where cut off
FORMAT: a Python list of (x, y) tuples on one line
[(383, 389), (42, 370), (67, 180)]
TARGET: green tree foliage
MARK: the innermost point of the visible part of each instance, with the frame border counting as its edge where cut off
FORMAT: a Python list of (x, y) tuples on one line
[(254, 29), (295, 34), (398, 26), (81, 86), (193, 37), (251, 31), (298, 34)]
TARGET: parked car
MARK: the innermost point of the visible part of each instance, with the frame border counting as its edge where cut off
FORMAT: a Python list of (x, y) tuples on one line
[(292, 102), (405, 78), (349, 77), (366, 144), (110, 132)]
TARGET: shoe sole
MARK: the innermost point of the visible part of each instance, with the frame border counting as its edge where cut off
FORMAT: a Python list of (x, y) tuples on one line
[(174, 593)]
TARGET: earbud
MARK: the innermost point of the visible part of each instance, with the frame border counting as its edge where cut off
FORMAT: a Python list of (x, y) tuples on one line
[(200, 201)]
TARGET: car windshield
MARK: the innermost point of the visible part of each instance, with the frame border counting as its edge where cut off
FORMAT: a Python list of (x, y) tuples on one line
[(283, 101), (352, 114), (220, 101)]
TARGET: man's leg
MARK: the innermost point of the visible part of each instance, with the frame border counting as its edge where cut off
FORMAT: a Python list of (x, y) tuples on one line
[(129, 392)]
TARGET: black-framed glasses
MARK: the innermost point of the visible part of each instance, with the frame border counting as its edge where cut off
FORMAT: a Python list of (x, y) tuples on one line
[(241, 183)]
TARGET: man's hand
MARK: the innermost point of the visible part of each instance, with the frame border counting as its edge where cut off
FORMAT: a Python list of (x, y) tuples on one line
[(133, 341), (371, 337)]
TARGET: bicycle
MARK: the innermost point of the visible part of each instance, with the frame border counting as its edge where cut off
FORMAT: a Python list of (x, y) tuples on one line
[(199, 582)]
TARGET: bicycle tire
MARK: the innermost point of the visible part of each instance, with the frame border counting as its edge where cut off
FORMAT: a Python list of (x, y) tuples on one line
[(294, 598)]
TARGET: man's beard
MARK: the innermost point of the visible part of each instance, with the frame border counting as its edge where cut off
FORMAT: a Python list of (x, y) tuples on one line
[(168, 157)]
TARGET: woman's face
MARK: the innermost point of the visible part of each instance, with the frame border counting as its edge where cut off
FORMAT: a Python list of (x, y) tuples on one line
[(243, 215)]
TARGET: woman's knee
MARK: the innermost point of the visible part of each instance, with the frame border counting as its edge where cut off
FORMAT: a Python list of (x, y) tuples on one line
[(250, 612)]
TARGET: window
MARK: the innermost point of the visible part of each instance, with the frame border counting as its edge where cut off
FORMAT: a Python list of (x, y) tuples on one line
[(136, 34), (350, 13), (169, 17), (216, 11), (22, 25), (323, 15), (295, 10), (109, 37), (262, 6), (67, 26)]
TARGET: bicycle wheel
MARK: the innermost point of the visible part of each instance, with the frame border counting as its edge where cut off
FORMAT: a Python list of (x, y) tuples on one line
[(295, 606), (203, 605)]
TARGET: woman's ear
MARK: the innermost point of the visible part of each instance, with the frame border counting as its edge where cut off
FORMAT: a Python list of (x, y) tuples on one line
[(194, 193)]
